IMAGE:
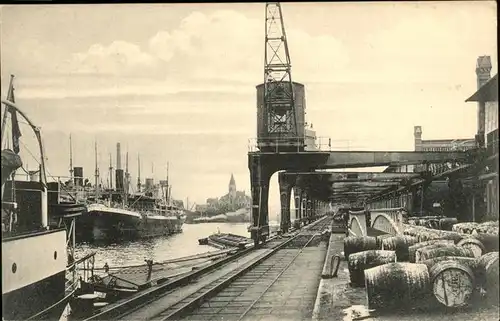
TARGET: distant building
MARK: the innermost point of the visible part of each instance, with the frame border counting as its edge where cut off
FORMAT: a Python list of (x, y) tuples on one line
[(232, 201), (487, 137), (232, 190), (434, 145)]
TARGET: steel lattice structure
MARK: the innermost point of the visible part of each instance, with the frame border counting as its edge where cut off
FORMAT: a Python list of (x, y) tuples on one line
[(279, 97)]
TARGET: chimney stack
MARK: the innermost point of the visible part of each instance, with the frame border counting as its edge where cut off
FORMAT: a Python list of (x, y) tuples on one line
[(118, 157), (483, 69)]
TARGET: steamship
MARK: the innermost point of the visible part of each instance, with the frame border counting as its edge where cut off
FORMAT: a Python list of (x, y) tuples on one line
[(34, 253), (116, 215)]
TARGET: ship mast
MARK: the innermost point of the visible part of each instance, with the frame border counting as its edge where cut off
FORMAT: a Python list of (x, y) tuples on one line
[(138, 174), (10, 97), (70, 158), (168, 186), (110, 173), (126, 178), (96, 171)]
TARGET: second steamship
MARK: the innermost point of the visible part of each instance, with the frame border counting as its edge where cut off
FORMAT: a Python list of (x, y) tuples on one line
[(115, 214)]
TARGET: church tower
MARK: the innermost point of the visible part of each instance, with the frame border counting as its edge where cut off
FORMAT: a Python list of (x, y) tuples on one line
[(232, 189)]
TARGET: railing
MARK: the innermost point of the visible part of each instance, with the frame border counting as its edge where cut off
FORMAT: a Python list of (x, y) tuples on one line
[(322, 143), (437, 169), (73, 191)]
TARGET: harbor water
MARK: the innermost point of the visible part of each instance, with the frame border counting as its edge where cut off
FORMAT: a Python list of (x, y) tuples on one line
[(161, 248)]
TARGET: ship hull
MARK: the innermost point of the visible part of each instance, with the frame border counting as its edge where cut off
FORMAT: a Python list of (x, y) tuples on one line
[(110, 224), (33, 276)]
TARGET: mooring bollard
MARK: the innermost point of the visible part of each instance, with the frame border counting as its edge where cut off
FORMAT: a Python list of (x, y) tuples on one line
[(150, 268), (332, 272)]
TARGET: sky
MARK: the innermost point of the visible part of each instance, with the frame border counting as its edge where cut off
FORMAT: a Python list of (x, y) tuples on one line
[(176, 82)]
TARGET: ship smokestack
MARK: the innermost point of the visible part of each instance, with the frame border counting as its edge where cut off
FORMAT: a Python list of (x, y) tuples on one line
[(118, 156), (119, 180), (78, 176)]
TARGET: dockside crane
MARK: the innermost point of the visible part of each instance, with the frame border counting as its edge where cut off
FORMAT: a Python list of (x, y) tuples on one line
[(278, 115)]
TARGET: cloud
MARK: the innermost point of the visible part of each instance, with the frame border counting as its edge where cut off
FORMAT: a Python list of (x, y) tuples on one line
[(228, 45), (118, 58)]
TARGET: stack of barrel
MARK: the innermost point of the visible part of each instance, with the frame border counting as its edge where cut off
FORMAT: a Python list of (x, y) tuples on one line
[(448, 268), (491, 227), (437, 222)]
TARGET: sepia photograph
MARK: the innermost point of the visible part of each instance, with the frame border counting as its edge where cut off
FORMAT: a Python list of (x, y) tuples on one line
[(266, 161)]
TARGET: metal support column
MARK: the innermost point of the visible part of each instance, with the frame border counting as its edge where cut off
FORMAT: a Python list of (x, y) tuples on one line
[(260, 175), (297, 192), (285, 186)]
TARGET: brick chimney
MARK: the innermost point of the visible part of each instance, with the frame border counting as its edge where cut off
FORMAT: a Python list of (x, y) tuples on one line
[(417, 135), (483, 73)]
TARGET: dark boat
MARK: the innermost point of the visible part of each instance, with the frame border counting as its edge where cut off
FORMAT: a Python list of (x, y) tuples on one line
[(103, 222), (225, 240), (34, 252), (115, 215)]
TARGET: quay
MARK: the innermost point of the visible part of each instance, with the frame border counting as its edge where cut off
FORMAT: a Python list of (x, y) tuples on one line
[(301, 275), (239, 286)]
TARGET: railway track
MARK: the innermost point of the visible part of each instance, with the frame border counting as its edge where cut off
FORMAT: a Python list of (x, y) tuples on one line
[(242, 292), (176, 298)]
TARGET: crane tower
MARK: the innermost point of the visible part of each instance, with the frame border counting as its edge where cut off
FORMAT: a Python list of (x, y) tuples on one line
[(279, 121)]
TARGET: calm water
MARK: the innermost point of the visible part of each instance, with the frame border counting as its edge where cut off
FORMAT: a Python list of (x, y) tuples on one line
[(160, 249)]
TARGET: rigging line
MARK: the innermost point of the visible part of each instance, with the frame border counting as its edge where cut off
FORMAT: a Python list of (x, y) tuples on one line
[(46, 169)]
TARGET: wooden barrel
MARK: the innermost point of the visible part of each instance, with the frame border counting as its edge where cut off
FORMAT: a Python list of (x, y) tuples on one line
[(427, 235), (491, 242), (411, 230), (449, 235), (396, 285), (399, 244), (354, 244), (432, 251), (413, 249), (474, 244), (452, 283), (359, 262), (470, 262), (380, 238), (487, 275), (446, 224)]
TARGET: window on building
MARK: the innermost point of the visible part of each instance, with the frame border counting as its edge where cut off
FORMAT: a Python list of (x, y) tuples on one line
[(491, 116)]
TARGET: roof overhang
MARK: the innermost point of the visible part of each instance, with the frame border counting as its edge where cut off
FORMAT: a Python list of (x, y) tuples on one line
[(487, 92)]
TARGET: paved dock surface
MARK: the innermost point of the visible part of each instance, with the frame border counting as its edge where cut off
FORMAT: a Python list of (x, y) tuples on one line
[(253, 297)]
